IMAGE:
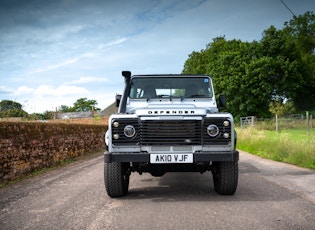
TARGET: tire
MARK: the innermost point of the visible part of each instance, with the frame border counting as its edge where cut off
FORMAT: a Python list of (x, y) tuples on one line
[(116, 179), (225, 177)]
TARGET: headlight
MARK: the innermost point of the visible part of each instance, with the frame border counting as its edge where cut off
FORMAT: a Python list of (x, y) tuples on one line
[(213, 130), (226, 123), (226, 135), (129, 131)]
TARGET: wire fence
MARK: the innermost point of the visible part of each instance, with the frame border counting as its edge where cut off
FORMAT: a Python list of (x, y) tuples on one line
[(292, 121)]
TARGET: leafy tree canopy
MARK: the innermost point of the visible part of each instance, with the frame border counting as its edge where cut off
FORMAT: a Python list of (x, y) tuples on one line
[(279, 68), (7, 105), (81, 105), (11, 109)]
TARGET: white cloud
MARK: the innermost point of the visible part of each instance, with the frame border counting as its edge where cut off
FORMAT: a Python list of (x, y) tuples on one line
[(54, 97), (48, 68), (85, 80), (112, 43), (4, 90), (64, 63), (22, 90), (79, 57), (49, 90)]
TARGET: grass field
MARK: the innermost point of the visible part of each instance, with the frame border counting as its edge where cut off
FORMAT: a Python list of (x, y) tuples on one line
[(294, 146)]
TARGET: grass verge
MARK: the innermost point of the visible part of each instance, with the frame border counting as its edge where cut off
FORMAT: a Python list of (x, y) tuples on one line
[(294, 146)]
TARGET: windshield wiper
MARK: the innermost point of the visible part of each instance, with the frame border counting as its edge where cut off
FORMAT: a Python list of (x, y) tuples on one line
[(196, 95), (164, 96), (158, 96)]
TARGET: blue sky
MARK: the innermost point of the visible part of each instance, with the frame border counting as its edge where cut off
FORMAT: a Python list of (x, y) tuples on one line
[(55, 52)]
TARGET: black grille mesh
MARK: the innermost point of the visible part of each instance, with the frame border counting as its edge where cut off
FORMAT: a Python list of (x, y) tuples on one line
[(170, 132)]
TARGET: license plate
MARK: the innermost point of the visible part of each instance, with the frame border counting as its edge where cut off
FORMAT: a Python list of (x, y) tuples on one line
[(171, 158)]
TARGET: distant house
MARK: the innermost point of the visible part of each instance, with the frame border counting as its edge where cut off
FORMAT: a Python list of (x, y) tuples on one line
[(110, 110), (86, 114)]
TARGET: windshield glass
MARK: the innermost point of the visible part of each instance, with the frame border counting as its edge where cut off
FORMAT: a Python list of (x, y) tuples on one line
[(165, 87)]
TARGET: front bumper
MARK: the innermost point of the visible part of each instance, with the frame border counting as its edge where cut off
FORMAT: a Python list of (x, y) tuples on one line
[(145, 157)]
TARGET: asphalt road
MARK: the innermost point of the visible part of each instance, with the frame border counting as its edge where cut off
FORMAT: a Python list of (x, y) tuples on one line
[(270, 195)]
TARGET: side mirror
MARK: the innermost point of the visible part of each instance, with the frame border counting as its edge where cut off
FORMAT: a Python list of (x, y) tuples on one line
[(118, 98), (222, 101)]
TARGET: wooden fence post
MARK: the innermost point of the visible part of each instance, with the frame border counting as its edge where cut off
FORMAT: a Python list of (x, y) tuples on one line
[(277, 127), (308, 122)]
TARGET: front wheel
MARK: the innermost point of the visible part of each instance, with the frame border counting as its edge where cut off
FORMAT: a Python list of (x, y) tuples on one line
[(116, 179), (225, 177)]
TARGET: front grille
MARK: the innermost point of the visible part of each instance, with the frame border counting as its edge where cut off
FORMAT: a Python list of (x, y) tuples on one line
[(170, 132), (220, 139)]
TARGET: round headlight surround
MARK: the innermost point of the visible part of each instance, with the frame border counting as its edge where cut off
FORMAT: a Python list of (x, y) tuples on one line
[(213, 130), (129, 131)]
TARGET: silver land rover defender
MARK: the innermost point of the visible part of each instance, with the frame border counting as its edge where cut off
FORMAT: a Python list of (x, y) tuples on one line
[(169, 123)]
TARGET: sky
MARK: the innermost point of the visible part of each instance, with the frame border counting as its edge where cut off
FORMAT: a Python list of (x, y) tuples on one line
[(54, 52)]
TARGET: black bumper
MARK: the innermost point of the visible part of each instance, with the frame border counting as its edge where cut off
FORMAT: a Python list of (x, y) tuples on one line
[(145, 157)]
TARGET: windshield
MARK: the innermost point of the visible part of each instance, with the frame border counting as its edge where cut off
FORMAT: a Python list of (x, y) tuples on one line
[(165, 87)]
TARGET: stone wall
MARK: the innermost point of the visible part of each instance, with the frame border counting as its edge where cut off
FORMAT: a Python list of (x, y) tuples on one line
[(28, 146)]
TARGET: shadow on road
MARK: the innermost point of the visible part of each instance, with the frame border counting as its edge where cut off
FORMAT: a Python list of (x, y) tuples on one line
[(179, 187)]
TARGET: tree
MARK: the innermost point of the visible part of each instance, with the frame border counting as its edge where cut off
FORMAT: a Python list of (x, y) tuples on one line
[(296, 43), (64, 108), (83, 105), (230, 63), (280, 67), (7, 105), (302, 30), (280, 108), (11, 109)]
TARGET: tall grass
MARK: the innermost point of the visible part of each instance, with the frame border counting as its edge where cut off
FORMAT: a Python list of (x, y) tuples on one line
[(294, 146)]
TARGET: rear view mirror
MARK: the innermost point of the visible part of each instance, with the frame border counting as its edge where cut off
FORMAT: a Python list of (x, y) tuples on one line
[(222, 101), (118, 98)]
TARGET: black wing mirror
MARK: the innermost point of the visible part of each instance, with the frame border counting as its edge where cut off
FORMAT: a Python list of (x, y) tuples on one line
[(222, 101), (118, 98)]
